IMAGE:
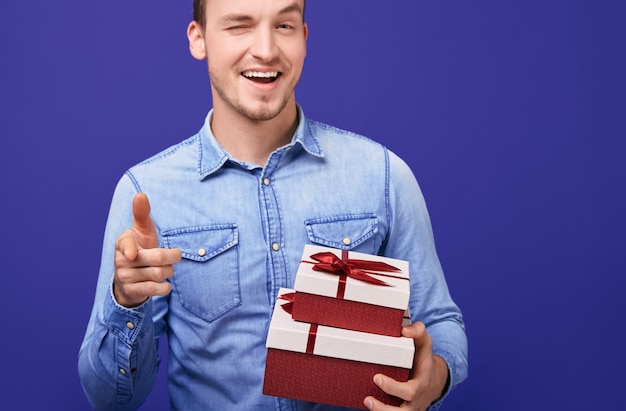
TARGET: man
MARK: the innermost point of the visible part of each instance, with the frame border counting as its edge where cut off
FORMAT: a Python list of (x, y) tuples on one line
[(201, 236)]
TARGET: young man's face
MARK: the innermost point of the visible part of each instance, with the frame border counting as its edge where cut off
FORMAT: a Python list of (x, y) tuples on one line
[(255, 51)]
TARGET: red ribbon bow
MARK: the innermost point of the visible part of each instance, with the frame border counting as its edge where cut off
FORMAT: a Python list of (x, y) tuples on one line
[(330, 263), (290, 298), (346, 267)]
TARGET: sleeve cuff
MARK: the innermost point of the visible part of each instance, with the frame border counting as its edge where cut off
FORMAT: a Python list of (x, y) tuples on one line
[(126, 323)]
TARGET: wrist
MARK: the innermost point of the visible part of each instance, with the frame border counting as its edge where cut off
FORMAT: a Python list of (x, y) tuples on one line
[(121, 299), (441, 375)]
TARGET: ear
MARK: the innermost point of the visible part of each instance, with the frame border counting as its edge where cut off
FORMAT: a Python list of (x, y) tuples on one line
[(196, 41)]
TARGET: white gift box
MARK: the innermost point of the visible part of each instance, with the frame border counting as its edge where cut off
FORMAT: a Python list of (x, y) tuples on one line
[(330, 365), (366, 299)]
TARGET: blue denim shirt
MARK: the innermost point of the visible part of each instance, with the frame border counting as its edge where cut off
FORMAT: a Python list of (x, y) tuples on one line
[(241, 229)]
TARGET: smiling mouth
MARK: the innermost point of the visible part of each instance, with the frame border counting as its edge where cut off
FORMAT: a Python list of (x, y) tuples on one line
[(263, 77)]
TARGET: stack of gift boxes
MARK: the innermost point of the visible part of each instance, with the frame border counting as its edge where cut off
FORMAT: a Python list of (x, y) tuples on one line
[(339, 327)]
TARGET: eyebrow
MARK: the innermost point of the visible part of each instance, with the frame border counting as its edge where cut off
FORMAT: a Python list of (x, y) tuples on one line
[(234, 18), (293, 8), (238, 18)]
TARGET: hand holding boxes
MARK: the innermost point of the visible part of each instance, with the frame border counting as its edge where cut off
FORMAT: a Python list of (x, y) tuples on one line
[(333, 358)]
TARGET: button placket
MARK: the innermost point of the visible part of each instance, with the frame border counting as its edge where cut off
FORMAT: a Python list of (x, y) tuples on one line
[(277, 276), (266, 182)]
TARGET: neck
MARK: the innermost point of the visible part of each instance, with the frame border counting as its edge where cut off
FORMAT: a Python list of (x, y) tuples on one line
[(251, 140)]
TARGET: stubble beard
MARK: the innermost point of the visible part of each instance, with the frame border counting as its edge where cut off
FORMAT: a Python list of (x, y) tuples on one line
[(263, 113)]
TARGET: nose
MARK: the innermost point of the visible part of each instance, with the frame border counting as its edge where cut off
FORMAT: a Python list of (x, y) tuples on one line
[(264, 46)]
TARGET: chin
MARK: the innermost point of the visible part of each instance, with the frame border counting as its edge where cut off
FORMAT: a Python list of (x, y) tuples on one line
[(265, 112)]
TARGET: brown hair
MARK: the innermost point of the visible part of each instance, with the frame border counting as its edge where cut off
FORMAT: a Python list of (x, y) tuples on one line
[(198, 11)]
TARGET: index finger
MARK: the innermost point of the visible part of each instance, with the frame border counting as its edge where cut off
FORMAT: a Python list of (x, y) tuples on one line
[(157, 257)]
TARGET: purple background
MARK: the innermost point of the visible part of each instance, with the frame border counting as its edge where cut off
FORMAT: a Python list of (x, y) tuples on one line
[(511, 115)]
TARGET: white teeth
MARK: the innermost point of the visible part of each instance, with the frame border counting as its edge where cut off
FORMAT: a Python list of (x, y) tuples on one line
[(260, 74)]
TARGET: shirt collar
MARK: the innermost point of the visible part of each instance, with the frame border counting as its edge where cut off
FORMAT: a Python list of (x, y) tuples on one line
[(212, 155)]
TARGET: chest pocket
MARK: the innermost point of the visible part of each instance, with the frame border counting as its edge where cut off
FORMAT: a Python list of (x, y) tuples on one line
[(346, 232), (206, 280)]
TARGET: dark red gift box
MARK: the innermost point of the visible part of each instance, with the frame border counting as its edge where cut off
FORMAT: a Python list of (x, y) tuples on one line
[(351, 290), (330, 365)]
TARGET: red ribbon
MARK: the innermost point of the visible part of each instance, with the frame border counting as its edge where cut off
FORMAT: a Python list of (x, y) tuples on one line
[(346, 267), (310, 344), (290, 298), (288, 307)]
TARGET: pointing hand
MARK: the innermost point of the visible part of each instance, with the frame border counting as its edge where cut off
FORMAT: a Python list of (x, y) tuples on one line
[(141, 269)]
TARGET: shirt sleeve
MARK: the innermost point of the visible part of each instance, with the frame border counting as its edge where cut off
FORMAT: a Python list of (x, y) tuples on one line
[(118, 358), (411, 238)]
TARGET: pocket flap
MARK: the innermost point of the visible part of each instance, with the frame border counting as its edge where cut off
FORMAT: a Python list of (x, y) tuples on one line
[(343, 231), (202, 243)]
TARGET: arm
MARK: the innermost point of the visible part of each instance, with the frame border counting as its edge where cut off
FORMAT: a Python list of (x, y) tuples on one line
[(118, 358), (438, 329)]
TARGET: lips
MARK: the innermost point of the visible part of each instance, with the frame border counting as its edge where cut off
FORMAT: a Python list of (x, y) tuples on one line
[(262, 77)]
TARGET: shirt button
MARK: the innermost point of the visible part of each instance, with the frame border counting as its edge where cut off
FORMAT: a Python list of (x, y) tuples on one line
[(266, 181), (275, 247), (122, 371), (347, 241), (130, 325), (201, 252)]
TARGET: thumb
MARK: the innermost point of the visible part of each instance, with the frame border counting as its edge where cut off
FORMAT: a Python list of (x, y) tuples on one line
[(423, 345), (142, 223), (416, 330)]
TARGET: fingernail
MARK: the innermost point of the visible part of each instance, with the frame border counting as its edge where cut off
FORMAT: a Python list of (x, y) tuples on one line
[(368, 403), (378, 380)]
